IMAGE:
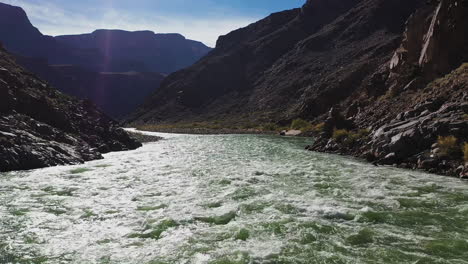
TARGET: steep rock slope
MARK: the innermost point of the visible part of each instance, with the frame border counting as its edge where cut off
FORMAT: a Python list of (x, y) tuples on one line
[(138, 51), (41, 127), (417, 113), (116, 93), (384, 80), (296, 63)]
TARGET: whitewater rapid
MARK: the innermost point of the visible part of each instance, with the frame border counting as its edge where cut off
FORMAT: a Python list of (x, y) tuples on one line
[(231, 199)]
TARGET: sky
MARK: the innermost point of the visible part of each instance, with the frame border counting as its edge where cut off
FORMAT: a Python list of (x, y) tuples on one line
[(202, 20)]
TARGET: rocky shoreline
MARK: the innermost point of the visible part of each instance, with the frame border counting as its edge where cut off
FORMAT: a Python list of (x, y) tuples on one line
[(429, 138), (420, 118), (424, 160), (41, 127)]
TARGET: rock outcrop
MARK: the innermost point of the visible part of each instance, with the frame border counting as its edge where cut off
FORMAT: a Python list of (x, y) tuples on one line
[(423, 98), (41, 127), (390, 71), (296, 63)]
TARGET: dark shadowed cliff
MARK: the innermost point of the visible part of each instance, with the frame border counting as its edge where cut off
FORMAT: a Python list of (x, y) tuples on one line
[(293, 63), (102, 50), (97, 66), (139, 51), (116, 93), (416, 108), (40, 126), (384, 80)]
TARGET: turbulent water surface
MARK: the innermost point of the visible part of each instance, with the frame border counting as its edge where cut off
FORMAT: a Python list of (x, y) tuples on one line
[(231, 199)]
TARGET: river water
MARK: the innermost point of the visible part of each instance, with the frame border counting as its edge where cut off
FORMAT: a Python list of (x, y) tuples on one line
[(231, 199)]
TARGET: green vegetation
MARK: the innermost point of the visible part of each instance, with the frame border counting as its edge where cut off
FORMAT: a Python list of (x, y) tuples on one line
[(241, 125), (448, 79), (348, 138), (339, 135), (318, 127), (448, 146), (270, 127), (214, 125), (301, 124), (465, 152)]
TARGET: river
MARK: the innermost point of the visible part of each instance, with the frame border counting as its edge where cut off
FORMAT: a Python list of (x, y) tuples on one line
[(231, 199)]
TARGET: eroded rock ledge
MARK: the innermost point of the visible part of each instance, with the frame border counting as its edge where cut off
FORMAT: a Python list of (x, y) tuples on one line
[(416, 138), (41, 127), (414, 113)]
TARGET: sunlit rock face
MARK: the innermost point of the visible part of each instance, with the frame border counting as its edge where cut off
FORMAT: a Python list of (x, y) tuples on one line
[(429, 34), (41, 127)]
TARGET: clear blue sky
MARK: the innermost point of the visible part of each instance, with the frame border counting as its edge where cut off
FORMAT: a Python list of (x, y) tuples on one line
[(202, 20)]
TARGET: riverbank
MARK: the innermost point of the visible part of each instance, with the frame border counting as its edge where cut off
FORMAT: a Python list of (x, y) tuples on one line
[(142, 137), (205, 131)]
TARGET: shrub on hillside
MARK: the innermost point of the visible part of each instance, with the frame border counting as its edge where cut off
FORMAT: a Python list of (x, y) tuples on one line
[(318, 127), (448, 146), (465, 151), (270, 127), (300, 124), (340, 135), (349, 138)]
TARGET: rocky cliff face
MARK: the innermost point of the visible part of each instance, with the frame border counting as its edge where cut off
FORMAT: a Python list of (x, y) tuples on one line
[(138, 51), (102, 50), (20, 37), (41, 127), (386, 76), (418, 118), (296, 63)]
